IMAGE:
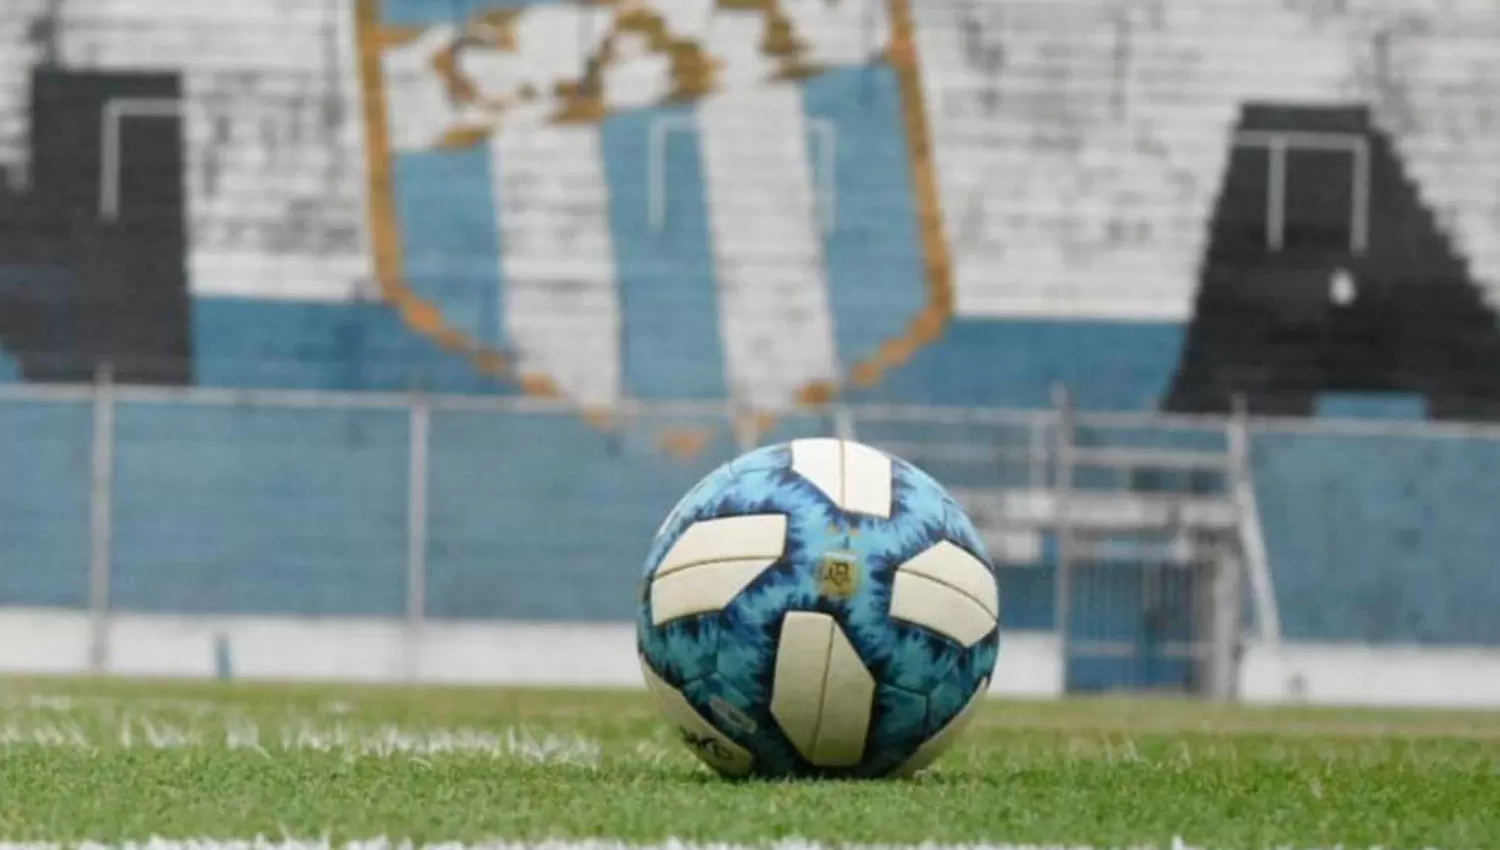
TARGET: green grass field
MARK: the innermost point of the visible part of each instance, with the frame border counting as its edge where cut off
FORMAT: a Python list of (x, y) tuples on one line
[(113, 763)]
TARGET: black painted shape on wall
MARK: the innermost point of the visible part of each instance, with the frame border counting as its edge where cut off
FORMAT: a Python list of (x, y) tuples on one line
[(1270, 325), (76, 290)]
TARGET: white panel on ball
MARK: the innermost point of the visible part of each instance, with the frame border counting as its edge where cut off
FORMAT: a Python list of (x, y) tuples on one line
[(924, 602), (734, 538), (947, 563), (821, 693), (710, 744), (703, 588), (852, 475), (820, 462), (867, 481), (949, 591), (934, 746)]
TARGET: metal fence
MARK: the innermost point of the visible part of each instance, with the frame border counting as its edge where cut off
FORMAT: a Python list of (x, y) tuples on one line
[(215, 502)]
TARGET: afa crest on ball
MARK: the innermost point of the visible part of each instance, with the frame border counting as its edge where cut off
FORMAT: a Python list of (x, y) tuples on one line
[(818, 608)]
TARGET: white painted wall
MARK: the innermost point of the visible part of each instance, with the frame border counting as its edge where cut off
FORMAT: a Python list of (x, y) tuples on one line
[(1080, 145), (54, 642), (273, 129), (1355, 674), (561, 298)]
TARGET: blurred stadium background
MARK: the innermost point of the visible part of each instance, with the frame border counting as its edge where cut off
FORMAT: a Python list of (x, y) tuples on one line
[(371, 339)]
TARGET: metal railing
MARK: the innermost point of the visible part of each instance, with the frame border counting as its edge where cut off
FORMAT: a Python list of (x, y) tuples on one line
[(999, 449)]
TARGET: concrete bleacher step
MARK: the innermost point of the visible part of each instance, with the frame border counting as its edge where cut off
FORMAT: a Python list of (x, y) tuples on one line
[(1060, 136), (766, 221), (275, 173), (561, 297), (17, 53)]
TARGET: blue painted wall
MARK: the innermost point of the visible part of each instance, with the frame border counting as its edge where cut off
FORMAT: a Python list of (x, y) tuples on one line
[(251, 343), (230, 509), (234, 509), (248, 510), (1015, 363), (874, 260), (545, 517), (44, 503), (450, 237), (669, 308), (1383, 539)]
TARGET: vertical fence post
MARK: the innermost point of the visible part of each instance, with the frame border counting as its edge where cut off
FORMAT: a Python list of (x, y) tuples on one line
[(1225, 628), (843, 423), (746, 429), (420, 422), (1255, 559), (1063, 523), (1036, 453), (1229, 573), (101, 517)]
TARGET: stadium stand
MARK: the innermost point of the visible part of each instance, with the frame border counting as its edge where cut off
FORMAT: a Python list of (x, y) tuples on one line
[(928, 203)]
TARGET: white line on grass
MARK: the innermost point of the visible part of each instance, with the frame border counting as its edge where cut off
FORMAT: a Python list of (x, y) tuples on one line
[(75, 702), (383, 740), (262, 843)]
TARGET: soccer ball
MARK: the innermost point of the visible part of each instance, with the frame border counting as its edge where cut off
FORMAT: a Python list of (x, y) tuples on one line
[(818, 608)]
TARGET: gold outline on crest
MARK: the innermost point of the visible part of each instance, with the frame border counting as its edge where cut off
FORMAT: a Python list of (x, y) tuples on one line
[(417, 313)]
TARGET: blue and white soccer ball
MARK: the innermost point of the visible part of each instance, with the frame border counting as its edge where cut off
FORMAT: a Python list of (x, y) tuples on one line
[(818, 608)]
